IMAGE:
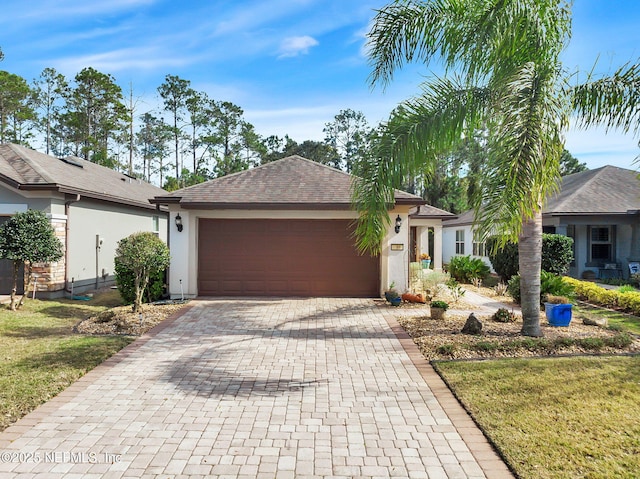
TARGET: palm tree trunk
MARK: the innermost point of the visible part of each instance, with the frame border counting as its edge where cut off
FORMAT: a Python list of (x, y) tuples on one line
[(530, 252)]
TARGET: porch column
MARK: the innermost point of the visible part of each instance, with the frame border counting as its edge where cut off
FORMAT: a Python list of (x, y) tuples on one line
[(423, 241), (634, 248), (437, 248)]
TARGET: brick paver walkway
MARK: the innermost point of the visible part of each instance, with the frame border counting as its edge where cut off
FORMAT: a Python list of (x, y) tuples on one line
[(248, 388)]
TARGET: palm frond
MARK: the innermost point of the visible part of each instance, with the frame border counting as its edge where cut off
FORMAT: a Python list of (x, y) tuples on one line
[(418, 131), (612, 101), (525, 144)]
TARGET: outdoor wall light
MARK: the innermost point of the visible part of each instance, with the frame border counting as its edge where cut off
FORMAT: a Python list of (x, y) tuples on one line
[(179, 222), (398, 223)]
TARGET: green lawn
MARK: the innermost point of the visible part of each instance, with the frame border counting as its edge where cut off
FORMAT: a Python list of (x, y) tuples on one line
[(40, 355), (556, 418), (616, 319)]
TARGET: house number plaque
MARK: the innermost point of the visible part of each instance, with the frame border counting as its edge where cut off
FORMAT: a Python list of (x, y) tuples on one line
[(397, 247)]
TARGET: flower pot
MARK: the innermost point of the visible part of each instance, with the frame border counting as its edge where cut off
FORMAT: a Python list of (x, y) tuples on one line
[(437, 313), (389, 295), (558, 315), (426, 263), (395, 301)]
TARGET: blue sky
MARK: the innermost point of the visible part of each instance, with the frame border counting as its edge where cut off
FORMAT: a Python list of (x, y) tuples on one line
[(290, 64)]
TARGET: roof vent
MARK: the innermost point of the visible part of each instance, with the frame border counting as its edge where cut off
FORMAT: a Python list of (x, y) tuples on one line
[(71, 161)]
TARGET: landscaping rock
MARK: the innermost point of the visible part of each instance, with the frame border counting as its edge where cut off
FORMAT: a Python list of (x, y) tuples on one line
[(601, 322), (472, 326)]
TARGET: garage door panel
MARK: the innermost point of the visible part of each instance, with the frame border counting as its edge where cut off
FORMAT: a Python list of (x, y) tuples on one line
[(282, 258)]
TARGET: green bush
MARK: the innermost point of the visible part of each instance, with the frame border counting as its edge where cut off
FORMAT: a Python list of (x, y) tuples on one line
[(557, 254), (125, 282), (504, 260), (465, 268), (143, 256), (502, 315), (609, 298), (550, 284)]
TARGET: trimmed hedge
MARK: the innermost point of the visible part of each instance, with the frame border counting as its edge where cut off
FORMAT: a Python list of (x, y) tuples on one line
[(628, 302), (557, 254)]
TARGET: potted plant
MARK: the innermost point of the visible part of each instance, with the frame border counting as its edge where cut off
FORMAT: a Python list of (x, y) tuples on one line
[(426, 260), (392, 295), (438, 309), (558, 310)]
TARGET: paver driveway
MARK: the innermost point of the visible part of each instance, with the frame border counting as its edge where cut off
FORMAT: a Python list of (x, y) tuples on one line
[(252, 388)]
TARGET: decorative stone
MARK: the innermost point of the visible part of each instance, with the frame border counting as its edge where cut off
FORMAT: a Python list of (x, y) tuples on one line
[(601, 322), (472, 326)]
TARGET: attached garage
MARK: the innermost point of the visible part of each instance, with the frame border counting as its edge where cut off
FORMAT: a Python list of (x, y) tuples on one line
[(283, 229), (281, 257)]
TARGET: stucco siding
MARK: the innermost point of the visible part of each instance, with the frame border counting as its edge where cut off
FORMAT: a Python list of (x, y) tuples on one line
[(94, 230)]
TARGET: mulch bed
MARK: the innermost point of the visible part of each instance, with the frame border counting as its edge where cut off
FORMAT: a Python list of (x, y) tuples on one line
[(123, 321)]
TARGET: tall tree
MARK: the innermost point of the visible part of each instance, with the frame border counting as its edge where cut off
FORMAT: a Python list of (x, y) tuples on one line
[(152, 143), (15, 106), (569, 164), (349, 135), (503, 76), (50, 88), (95, 115), (174, 92)]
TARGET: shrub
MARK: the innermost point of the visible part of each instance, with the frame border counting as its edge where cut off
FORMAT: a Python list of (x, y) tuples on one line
[(125, 281), (28, 238), (446, 349), (500, 289), (557, 254), (504, 260), (503, 315), (440, 304), (550, 284), (465, 268), (144, 255)]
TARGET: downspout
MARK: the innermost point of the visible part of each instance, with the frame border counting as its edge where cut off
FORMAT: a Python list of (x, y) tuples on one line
[(66, 241)]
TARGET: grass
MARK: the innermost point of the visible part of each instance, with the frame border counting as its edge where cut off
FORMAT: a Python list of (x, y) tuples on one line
[(556, 418), (616, 319), (40, 355)]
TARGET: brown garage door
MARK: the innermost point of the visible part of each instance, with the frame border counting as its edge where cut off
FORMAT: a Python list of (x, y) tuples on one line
[(283, 258)]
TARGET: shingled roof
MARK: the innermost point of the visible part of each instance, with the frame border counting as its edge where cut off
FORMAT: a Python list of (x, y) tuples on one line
[(429, 212), (290, 183), (607, 190), (26, 169)]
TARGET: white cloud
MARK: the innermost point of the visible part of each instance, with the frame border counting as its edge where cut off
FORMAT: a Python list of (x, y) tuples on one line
[(294, 46), (118, 60)]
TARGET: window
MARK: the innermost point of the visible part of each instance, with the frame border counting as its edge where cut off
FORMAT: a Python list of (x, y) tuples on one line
[(479, 248), (459, 241), (601, 244), (156, 225)]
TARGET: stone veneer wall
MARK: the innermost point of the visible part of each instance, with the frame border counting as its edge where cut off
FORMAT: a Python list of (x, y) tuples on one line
[(50, 276)]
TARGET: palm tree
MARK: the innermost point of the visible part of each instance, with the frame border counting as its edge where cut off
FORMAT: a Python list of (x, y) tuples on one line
[(503, 76)]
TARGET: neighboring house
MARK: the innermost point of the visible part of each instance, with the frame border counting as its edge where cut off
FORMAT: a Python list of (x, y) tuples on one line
[(282, 229), (459, 240), (90, 207), (599, 209)]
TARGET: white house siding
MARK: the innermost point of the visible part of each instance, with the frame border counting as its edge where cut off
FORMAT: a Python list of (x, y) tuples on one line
[(449, 244)]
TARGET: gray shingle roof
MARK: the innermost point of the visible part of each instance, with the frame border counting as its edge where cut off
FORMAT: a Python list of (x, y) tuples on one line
[(26, 169), (606, 190), (428, 211), (290, 183)]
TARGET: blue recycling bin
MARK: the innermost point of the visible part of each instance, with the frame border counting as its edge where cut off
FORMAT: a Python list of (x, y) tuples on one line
[(558, 315)]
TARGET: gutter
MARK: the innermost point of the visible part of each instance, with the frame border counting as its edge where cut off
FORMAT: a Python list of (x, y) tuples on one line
[(66, 241)]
